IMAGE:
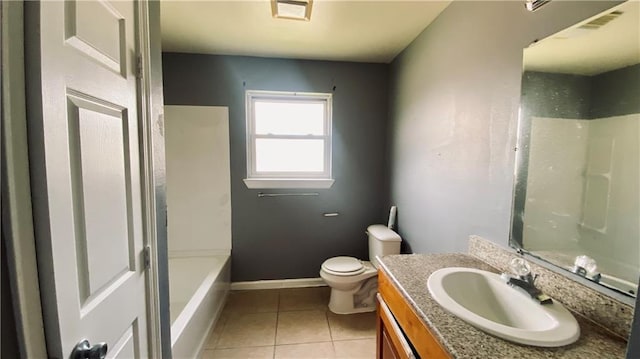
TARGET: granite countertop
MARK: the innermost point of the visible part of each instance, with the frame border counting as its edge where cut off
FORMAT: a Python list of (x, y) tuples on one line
[(410, 272)]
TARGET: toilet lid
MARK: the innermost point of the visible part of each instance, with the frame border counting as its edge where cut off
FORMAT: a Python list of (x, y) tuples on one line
[(343, 266)]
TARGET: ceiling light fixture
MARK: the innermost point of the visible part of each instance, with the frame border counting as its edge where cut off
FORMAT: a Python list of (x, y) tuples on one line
[(533, 5), (292, 9)]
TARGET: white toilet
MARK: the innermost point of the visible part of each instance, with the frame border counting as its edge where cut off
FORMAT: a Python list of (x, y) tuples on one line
[(353, 282)]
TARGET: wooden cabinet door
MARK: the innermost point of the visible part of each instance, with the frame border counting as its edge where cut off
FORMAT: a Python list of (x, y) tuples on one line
[(391, 343), (399, 314)]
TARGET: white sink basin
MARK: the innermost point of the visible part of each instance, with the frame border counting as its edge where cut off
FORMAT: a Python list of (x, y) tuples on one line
[(485, 301)]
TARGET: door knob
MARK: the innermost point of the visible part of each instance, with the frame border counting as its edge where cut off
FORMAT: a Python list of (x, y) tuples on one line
[(84, 350)]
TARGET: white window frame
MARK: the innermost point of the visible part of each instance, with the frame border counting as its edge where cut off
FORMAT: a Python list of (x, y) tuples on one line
[(256, 179)]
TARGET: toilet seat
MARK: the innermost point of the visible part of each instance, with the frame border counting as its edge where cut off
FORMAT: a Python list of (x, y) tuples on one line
[(343, 266)]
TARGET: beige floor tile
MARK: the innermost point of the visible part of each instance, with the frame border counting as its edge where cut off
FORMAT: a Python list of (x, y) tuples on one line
[(245, 353), (316, 298), (305, 351), (248, 330), (302, 327), (215, 333), (352, 326), (252, 301), (355, 349)]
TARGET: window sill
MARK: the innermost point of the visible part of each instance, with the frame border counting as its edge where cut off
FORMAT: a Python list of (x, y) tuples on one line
[(255, 183)]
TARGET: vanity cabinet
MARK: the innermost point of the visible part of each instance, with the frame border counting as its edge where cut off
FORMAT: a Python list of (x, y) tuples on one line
[(391, 342), (400, 332)]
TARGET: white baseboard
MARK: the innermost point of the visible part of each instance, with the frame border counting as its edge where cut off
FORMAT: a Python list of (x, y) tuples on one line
[(279, 283), (203, 253)]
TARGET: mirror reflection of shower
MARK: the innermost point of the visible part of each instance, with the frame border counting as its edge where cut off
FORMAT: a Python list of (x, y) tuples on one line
[(578, 183)]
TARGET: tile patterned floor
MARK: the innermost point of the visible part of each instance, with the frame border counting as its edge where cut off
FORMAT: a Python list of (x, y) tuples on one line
[(289, 323)]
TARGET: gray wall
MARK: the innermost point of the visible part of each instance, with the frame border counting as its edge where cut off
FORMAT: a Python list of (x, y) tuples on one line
[(455, 94), (287, 237), (556, 95), (616, 93)]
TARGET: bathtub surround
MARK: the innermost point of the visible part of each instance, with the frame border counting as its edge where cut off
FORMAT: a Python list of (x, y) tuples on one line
[(199, 222), (288, 237), (198, 180), (558, 223)]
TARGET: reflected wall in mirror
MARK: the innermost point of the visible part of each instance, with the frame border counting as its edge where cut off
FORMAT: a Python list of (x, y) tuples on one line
[(577, 189)]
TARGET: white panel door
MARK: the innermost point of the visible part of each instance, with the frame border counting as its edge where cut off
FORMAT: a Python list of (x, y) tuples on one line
[(84, 148)]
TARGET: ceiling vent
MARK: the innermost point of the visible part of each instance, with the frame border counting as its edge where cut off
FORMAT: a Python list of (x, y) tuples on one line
[(292, 9), (588, 28), (601, 21)]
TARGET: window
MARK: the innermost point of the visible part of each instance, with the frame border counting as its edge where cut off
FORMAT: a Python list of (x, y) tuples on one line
[(288, 140)]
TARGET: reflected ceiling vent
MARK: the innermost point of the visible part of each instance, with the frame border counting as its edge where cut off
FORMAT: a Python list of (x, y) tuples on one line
[(587, 28), (601, 21), (533, 5), (291, 9)]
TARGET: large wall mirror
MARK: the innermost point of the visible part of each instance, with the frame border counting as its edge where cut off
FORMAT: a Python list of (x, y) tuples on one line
[(577, 190)]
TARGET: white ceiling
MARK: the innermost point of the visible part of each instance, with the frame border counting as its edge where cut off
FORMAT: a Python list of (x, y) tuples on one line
[(590, 52), (339, 30)]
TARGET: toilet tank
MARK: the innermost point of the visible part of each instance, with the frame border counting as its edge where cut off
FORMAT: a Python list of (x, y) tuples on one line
[(382, 241)]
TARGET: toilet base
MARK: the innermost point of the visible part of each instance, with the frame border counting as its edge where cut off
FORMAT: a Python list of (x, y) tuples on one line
[(359, 300)]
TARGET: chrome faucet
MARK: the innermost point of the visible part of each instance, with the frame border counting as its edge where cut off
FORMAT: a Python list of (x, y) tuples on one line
[(585, 266), (525, 281)]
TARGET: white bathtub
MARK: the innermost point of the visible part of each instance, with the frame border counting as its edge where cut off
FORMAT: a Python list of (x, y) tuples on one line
[(198, 287)]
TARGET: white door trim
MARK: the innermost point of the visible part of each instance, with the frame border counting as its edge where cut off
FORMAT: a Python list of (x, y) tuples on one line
[(147, 179), (17, 221)]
